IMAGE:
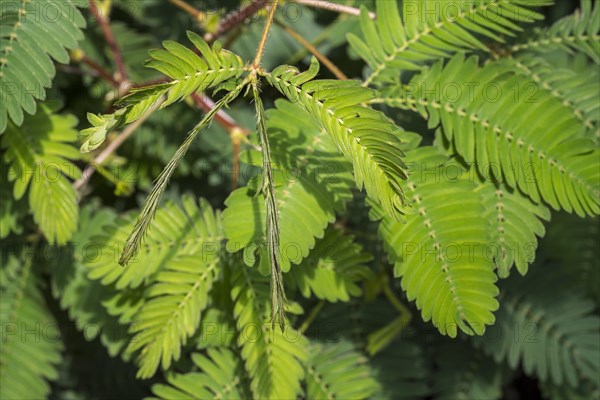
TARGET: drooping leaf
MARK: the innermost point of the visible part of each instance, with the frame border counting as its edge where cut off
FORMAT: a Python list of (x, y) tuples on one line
[(40, 155)]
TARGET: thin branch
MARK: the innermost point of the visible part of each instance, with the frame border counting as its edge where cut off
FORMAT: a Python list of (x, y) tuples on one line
[(194, 12), (339, 8), (206, 103), (389, 294), (263, 40), (320, 56), (236, 132), (235, 18), (311, 317), (112, 147), (102, 73), (110, 39), (320, 38)]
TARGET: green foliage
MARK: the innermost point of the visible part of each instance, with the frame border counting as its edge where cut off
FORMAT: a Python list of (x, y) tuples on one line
[(148, 211), (555, 338), (557, 166), (570, 80), (335, 274), (173, 311), (577, 33), (33, 35), (305, 209), (40, 158), (362, 240), (430, 30), (312, 183), (189, 73), (401, 371), (366, 137), (273, 358), (79, 295), (300, 147), (176, 269), (336, 371), (515, 223), (219, 378), (31, 343), (579, 257), (443, 267)]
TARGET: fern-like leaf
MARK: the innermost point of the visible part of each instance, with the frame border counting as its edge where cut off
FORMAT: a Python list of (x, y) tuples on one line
[(579, 33), (365, 137), (401, 371), (273, 359), (515, 225), (439, 252), (79, 295), (574, 82), (40, 157), (305, 210), (531, 143), (312, 182), (31, 346), (173, 310), (433, 29), (179, 231), (272, 213), (333, 270), (176, 270), (338, 371), (190, 73), (548, 326), (32, 35), (218, 378), (299, 146)]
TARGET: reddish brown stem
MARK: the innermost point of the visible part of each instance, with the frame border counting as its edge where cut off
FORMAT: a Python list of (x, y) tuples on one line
[(236, 133), (110, 39), (206, 104), (97, 68), (235, 18)]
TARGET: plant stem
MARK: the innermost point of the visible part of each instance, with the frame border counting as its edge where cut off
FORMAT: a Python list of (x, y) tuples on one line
[(236, 132), (321, 37), (389, 294), (320, 56), (263, 40), (311, 317), (110, 39), (339, 8), (194, 12), (104, 74), (234, 19), (206, 103)]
